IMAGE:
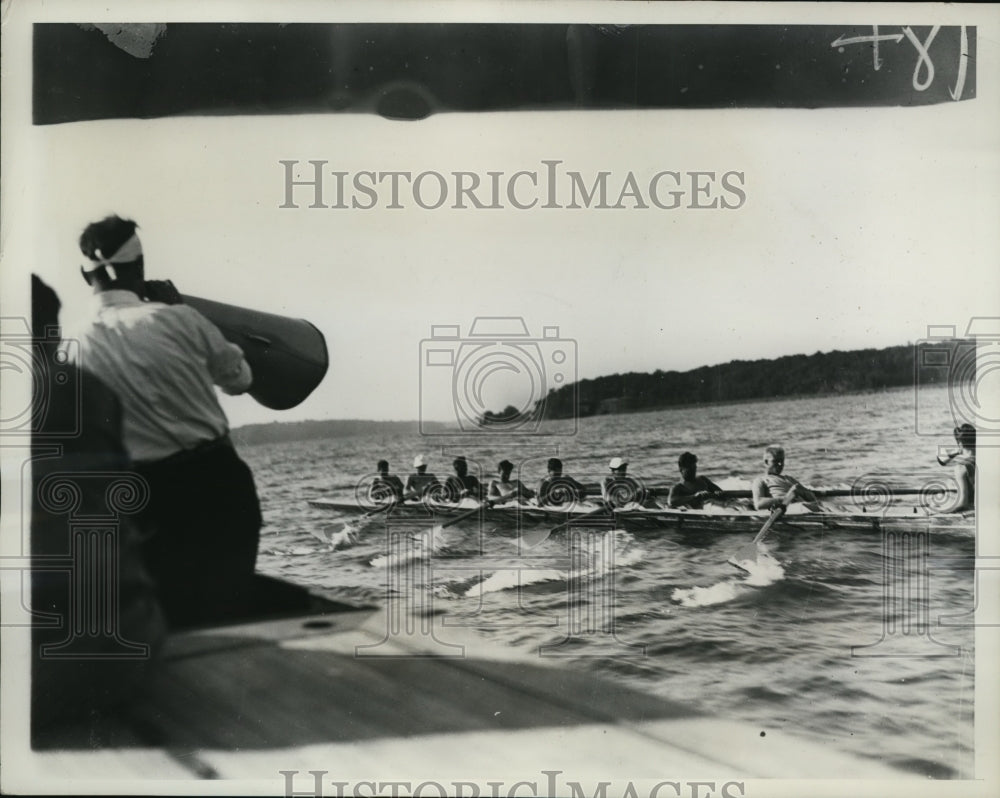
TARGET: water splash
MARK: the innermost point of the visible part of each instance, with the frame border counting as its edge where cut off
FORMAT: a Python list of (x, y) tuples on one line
[(343, 539), (763, 571), (338, 536), (419, 547), (508, 580), (707, 596), (610, 551)]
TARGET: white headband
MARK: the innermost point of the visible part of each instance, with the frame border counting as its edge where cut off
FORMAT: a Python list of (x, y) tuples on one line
[(129, 251)]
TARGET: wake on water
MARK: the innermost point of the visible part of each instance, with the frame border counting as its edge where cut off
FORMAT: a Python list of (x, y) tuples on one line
[(413, 548), (760, 573), (610, 551)]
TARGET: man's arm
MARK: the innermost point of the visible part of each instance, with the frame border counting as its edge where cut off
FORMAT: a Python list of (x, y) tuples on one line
[(679, 496), (476, 489), (605, 483), (454, 489), (762, 498), (711, 486), (495, 494), (799, 493), (966, 489), (226, 364)]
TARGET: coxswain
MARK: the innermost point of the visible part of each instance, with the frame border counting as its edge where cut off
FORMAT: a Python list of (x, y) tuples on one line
[(163, 359), (963, 465)]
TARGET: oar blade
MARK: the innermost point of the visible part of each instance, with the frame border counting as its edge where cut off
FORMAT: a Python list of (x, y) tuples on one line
[(748, 554), (328, 531), (745, 556), (534, 537), (338, 535)]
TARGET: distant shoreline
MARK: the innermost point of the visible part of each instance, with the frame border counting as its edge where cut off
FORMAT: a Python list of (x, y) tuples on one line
[(323, 429), (757, 400)]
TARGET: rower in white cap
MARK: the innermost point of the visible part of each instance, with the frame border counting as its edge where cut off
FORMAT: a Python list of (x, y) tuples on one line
[(420, 482), (620, 490)]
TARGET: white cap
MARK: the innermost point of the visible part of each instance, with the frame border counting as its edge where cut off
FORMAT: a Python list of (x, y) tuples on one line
[(419, 460), (617, 462)]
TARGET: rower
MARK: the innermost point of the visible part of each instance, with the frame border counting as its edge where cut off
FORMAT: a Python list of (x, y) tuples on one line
[(558, 488), (505, 489), (619, 489), (773, 489), (385, 487), (963, 463), (420, 483), (692, 490), (463, 484)]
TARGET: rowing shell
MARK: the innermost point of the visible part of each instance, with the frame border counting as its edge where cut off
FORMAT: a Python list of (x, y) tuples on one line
[(719, 519)]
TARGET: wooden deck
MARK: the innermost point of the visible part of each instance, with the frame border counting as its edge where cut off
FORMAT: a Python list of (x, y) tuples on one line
[(332, 693)]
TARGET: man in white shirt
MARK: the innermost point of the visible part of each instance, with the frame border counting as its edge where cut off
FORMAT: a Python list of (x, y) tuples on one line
[(162, 360)]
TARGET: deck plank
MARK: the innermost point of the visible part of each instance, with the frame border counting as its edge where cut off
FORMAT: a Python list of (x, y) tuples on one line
[(248, 700)]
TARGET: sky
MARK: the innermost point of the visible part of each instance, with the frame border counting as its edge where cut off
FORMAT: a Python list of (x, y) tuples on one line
[(859, 228)]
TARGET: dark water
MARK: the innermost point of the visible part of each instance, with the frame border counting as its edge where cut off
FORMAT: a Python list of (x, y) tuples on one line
[(790, 648)]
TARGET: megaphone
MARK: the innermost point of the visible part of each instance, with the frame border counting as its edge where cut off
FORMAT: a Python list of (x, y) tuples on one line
[(288, 357)]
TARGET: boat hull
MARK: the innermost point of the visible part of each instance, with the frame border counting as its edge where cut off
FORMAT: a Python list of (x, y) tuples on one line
[(894, 518)]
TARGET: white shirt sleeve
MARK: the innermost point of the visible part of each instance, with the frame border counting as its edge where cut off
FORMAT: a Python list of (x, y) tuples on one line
[(226, 363)]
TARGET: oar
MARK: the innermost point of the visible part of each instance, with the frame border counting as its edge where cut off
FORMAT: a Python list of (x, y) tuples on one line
[(461, 517), (820, 494), (749, 551), (533, 538), (948, 458), (350, 527), (594, 488)]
